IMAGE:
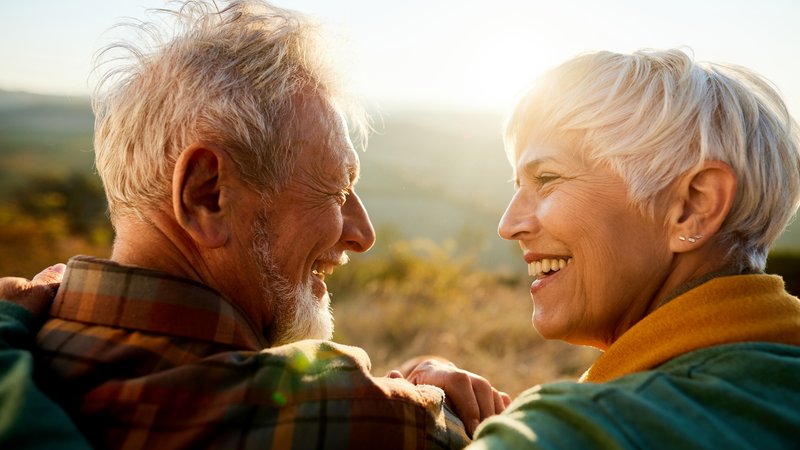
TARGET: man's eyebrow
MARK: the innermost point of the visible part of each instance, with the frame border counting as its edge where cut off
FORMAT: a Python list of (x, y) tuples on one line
[(354, 173)]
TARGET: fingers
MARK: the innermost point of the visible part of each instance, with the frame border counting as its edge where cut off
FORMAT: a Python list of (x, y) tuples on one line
[(501, 401), (459, 389), (395, 374), (407, 367), (473, 398), (506, 399), (34, 295), (490, 400), (52, 274), (484, 394), (499, 404)]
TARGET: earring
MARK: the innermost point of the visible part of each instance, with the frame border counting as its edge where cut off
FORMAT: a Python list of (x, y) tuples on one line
[(691, 239)]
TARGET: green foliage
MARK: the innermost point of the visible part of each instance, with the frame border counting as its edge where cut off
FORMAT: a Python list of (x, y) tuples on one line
[(50, 219), (78, 198), (51, 206)]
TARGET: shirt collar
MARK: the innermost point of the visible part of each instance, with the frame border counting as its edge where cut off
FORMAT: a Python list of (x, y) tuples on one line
[(101, 292)]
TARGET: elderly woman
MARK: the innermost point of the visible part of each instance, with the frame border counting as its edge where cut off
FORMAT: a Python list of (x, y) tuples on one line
[(649, 189)]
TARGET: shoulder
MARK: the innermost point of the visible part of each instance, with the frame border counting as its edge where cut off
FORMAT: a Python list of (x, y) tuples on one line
[(309, 394), (320, 369), (722, 396), (278, 377), (722, 360)]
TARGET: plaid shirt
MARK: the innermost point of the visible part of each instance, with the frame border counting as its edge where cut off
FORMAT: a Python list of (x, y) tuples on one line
[(143, 359)]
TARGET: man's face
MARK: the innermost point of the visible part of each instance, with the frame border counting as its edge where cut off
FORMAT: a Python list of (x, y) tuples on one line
[(303, 233)]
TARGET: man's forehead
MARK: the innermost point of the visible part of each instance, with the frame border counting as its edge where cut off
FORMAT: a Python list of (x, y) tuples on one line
[(340, 146), (331, 159), (341, 137), (342, 152)]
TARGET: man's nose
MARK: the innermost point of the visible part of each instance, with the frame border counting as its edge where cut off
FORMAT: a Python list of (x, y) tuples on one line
[(357, 231), (519, 218)]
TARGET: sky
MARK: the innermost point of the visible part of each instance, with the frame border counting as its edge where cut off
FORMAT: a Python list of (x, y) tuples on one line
[(439, 53)]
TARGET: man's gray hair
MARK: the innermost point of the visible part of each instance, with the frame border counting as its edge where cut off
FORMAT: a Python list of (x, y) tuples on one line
[(231, 76), (653, 115)]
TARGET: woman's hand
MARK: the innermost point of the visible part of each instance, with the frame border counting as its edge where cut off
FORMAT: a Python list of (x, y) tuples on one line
[(473, 398)]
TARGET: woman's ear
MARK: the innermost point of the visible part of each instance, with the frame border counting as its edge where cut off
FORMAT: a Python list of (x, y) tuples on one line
[(197, 194), (700, 203)]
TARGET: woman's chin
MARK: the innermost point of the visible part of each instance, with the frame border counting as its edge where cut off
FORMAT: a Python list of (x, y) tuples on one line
[(547, 326)]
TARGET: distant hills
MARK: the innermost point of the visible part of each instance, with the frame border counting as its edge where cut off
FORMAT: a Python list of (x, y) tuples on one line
[(430, 174), (42, 134)]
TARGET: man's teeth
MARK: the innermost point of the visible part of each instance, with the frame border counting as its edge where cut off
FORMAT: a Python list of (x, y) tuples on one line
[(544, 266), (322, 270)]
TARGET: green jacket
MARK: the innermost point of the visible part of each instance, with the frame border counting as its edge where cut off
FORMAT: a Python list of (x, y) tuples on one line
[(743, 395), (716, 367), (28, 419)]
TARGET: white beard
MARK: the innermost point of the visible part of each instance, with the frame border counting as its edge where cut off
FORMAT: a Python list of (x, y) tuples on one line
[(312, 318), (298, 314)]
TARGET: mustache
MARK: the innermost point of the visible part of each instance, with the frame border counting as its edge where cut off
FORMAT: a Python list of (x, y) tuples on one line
[(339, 259)]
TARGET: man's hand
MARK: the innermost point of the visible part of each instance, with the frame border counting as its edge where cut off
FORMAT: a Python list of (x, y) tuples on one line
[(34, 295), (472, 396)]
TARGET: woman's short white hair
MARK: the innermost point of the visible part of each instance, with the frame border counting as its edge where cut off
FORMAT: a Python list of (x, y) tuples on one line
[(653, 115), (235, 76)]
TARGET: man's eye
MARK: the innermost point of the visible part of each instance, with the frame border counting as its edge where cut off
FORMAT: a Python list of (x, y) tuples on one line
[(545, 178), (341, 196)]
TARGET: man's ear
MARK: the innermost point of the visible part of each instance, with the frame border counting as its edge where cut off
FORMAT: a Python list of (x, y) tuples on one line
[(197, 194), (699, 204)]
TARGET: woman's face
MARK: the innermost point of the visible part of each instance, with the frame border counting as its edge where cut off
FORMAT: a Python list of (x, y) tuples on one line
[(606, 259)]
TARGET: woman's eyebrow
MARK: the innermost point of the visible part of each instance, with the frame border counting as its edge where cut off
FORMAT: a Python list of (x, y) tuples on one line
[(531, 166)]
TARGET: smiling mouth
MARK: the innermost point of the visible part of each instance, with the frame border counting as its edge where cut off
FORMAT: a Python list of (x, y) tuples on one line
[(325, 266), (320, 269), (548, 266)]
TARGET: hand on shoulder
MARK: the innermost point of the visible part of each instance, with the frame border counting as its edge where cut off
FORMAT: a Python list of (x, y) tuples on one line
[(472, 396), (34, 295)]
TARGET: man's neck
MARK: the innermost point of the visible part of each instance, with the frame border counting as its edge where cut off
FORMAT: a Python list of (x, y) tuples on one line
[(159, 244)]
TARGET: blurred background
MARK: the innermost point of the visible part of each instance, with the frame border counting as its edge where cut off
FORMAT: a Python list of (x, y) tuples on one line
[(437, 77)]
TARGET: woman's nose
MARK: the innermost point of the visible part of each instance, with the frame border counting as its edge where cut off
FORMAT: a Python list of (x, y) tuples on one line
[(519, 218)]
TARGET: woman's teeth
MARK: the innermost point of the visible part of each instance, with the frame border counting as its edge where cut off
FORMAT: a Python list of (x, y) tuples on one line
[(544, 266)]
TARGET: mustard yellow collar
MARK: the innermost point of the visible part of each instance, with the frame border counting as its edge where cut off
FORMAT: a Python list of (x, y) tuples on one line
[(739, 308)]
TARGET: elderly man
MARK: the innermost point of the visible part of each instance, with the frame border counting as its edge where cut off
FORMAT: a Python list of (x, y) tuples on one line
[(230, 178)]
